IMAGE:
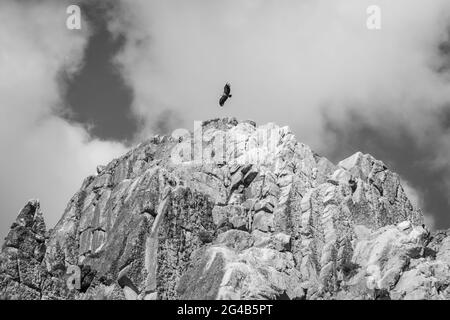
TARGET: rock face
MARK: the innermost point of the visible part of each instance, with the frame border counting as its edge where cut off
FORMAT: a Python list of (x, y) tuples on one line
[(243, 212)]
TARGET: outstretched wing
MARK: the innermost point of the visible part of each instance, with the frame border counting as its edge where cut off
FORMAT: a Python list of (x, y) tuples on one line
[(227, 89), (222, 100)]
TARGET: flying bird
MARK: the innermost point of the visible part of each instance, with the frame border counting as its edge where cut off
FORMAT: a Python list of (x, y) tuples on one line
[(226, 94)]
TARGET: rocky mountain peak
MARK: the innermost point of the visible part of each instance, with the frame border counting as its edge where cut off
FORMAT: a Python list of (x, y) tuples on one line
[(232, 210)]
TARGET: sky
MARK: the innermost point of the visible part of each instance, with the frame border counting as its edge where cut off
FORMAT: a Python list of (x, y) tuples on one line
[(72, 99)]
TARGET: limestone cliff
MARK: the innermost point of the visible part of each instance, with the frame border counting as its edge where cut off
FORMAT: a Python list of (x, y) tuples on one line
[(247, 212)]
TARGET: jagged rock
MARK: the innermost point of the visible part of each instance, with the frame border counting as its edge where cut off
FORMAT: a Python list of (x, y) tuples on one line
[(269, 220), (277, 241), (233, 214), (22, 254), (254, 273), (263, 221), (100, 169)]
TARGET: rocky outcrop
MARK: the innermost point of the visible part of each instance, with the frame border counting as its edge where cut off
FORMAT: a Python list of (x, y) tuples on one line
[(22, 269), (244, 212)]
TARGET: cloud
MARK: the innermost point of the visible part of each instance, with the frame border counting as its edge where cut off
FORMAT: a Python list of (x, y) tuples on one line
[(42, 155), (301, 63), (283, 59)]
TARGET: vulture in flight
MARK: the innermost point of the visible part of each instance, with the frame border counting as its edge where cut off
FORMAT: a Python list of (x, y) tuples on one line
[(226, 94)]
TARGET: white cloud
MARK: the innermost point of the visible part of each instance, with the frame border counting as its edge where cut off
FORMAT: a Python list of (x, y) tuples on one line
[(285, 60), (42, 156)]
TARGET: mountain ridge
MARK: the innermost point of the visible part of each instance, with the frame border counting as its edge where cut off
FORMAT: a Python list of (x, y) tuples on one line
[(230, 211)]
